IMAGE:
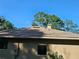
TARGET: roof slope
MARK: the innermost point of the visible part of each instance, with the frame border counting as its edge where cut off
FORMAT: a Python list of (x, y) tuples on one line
[(38, 32)]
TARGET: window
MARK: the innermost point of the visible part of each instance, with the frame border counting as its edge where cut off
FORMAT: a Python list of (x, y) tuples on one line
[(42, 49), (3, 44)]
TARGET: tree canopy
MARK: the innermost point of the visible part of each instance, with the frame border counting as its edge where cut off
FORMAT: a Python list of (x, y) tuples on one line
[(5, 24), (43, 19), (70, 26)]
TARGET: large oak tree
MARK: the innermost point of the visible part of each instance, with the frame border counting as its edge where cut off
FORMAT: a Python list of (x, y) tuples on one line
[(43, 19)]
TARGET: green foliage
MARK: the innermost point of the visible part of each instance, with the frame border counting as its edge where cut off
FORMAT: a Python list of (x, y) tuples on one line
[(4, 24), (43, 19), (34, 24), (70, 26), (39, 18), (54, 56)]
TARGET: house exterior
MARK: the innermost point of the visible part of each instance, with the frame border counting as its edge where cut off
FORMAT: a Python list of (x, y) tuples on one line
[(36, 42)]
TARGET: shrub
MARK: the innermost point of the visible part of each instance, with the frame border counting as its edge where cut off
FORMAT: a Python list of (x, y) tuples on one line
[(54, 56)]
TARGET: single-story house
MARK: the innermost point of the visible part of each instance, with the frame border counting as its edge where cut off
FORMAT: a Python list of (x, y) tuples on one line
[(36, 42)]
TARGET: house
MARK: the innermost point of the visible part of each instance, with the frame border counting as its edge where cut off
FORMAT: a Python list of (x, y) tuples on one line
[(36, 42)]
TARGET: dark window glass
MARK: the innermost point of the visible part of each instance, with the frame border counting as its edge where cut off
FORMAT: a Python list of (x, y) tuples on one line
[(42, 50), (3, 44)]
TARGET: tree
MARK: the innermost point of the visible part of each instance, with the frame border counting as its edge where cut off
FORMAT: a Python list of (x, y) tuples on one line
[(43, 19), (4, 24), (39, 18), (56, 22), (34, 24), (70, 26)]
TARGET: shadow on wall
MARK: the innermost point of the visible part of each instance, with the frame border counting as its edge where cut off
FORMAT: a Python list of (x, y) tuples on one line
[(29, 51), (26, 51), (9, 52)]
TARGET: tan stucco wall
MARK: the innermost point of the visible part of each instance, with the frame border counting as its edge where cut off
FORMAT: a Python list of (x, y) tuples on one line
[(29, 51), (68, 51), (7, 53)]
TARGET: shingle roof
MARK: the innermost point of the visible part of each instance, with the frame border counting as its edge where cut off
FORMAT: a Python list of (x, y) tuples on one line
[(38, 32)]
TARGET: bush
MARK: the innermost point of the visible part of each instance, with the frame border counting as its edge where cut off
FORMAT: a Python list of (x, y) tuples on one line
[(54, 56)]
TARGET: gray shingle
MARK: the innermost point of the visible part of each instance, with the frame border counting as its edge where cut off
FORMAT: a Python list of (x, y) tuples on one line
[(39, 32)]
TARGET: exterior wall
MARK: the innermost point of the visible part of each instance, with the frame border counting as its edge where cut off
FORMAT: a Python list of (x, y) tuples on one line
[(67, 51), (29, 51), (26, 51), (7, 53)]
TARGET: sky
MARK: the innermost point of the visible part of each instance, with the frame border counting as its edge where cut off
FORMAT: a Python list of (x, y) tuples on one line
[(21, 12)]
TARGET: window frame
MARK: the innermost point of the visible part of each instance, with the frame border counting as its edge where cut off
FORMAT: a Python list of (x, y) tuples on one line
[(46, 50), (4, 42)]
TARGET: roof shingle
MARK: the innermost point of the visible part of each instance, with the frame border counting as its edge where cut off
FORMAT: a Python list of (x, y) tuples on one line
[(39, 32)]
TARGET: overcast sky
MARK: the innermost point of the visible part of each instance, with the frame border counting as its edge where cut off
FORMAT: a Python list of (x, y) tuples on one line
[(20, 12)]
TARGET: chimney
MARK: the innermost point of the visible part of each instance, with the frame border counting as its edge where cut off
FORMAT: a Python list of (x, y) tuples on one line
[(49, 26)]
